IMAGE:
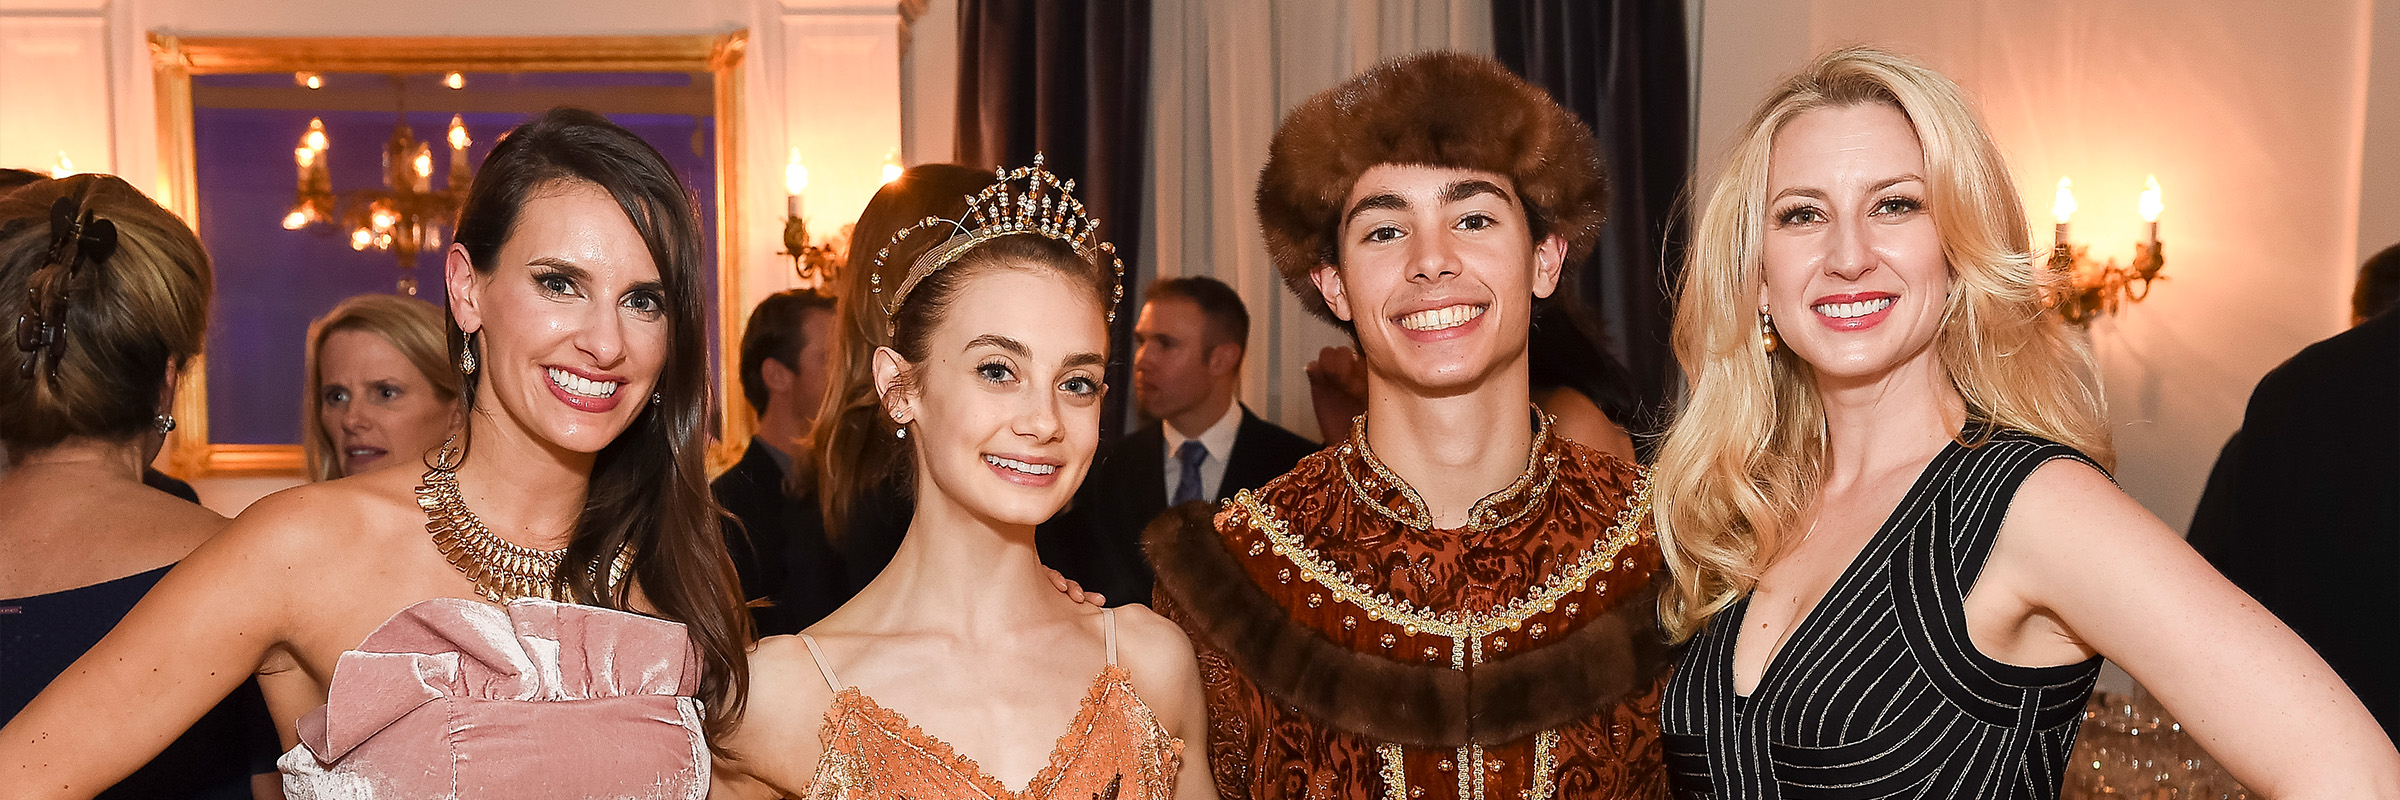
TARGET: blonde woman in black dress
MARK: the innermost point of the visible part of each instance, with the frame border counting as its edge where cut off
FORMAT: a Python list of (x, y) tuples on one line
[(1898, 559)]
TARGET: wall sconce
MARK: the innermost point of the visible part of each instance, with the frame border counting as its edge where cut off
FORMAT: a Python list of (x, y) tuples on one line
[(2094, 287), (814, 264)]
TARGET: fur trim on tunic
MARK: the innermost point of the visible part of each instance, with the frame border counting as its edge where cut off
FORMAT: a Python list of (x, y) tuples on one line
[(1443, 109), (1605, 660)]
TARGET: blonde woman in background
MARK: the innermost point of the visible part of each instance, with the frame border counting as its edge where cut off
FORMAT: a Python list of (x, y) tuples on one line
[(1898, 559), (380, 384)]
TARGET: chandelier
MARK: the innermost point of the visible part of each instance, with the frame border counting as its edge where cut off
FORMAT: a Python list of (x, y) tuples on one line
[(406, 216)]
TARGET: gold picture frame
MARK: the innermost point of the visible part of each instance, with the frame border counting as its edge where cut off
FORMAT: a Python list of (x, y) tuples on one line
[(174, 60)]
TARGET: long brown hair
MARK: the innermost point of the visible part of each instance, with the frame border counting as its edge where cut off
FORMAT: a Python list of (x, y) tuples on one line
[(851, 427), (411, 326), (649, 489), (1747, 449)]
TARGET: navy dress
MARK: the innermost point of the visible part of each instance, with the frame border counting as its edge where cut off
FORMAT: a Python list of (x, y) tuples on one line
[(43, 634), (1878, 693)]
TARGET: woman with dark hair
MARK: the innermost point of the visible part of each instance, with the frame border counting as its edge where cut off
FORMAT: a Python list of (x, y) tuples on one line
[(371, 606), (989, 396), (857, 484), (108, 296)]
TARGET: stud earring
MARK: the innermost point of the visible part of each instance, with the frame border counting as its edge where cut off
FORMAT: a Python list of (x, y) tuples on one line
[(165, 423), (654, 398), (466, 356), (1766, 328)]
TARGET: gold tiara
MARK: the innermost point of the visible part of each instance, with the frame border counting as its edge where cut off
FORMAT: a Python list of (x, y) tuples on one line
[(1044, 206)]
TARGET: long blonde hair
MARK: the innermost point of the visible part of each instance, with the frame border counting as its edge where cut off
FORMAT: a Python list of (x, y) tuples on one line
[(412, 326), (1747, 449)]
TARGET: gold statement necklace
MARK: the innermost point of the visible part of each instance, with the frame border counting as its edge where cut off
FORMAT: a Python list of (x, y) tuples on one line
[(501, 570)]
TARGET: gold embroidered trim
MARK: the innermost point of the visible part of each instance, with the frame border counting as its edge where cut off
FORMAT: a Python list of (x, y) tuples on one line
[(1534, 485), (1456, 624), (1395, 770), (1545, 761)]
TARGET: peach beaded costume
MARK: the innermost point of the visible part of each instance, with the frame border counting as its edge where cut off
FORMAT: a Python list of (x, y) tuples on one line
[(1114, 750)]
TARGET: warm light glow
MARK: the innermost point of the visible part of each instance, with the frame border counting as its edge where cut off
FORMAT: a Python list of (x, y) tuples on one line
[(795, 177), (296, 220), (315, 138), (2064, 206), (309, 79), (2151, 205), (891, 167), (423, 163), (458, 132), (305, 157), (63, 167), (454, 80), (359, 239), (383, 219)]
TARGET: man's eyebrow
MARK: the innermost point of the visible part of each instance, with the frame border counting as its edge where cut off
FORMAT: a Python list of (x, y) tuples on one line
[(1472, 187), (1378, 201)]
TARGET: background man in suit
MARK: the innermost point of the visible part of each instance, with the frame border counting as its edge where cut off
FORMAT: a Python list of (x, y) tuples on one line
[(1201, 445), (779, 546), (2301, 511)]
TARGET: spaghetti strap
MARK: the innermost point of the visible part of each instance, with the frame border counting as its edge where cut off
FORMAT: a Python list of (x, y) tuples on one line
[(818, 656), (1108, 623)]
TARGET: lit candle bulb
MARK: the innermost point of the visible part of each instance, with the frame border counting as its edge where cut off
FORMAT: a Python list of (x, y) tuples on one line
[(795, 183), (314, 139), (2151, 205), (891, 167), (458, 151), (2062, 208), (63, 167)]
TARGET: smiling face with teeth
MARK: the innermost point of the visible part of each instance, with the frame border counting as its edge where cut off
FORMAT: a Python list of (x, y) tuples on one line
[(1438, 272), (571, 322), (1855, 276), (1003, 407)]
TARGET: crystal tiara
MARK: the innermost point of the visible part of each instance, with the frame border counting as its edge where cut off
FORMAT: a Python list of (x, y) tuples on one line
[(1044, 206)]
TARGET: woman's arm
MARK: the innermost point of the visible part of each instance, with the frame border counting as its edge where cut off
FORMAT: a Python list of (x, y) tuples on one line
[(199, 633), (2096, 570)]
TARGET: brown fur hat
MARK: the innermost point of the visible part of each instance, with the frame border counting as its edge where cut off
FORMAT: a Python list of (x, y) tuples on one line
[(1443, 109)]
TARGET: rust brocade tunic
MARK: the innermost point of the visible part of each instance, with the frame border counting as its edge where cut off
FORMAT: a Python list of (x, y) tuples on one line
[(1348, 650)]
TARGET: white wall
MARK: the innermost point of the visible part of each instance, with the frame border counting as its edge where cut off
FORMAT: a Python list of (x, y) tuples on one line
[(2251, 115)]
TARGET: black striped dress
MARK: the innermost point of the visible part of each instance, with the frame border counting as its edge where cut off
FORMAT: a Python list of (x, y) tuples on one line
[(1878, 693)]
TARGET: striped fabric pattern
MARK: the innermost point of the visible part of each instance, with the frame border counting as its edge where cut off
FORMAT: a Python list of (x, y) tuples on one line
[(1878, 693)]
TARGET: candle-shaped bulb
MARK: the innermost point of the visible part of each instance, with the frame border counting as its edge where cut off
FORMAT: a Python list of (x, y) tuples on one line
[(458, 132), (2151, 205), (422, 164), (359, 239), (2064, 206), (309, 79), (315, 139), (454, 80), (304, 156), (795, 176), (891, 167), (295, 220)]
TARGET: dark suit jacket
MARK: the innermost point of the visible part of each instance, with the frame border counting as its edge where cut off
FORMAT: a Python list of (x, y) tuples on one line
[(1098, 541), (2303, 508), (778, 546)]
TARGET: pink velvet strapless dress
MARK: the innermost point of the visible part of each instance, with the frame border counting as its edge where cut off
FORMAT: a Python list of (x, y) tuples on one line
[(459, 699)]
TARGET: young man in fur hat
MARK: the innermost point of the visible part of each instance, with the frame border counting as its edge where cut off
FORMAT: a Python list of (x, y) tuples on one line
[(1454, 602)]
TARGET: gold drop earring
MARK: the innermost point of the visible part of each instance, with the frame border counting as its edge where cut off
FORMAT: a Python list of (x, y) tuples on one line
[(1766, 330)]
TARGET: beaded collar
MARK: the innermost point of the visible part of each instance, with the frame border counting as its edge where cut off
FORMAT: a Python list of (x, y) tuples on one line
[(1392, 498)]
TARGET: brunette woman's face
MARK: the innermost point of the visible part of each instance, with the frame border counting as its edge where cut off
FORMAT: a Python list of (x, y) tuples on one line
[(374, 404), (1005, 409), (571, 320), (1855, 276)]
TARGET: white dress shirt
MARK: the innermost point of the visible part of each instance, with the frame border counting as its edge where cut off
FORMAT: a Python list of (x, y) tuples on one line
[(1219, 441)]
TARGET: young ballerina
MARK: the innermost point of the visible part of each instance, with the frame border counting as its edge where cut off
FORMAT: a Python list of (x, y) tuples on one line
[(961, 670)]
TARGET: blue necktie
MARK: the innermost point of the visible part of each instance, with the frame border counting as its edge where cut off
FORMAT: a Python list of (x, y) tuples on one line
[(1187, 483)]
